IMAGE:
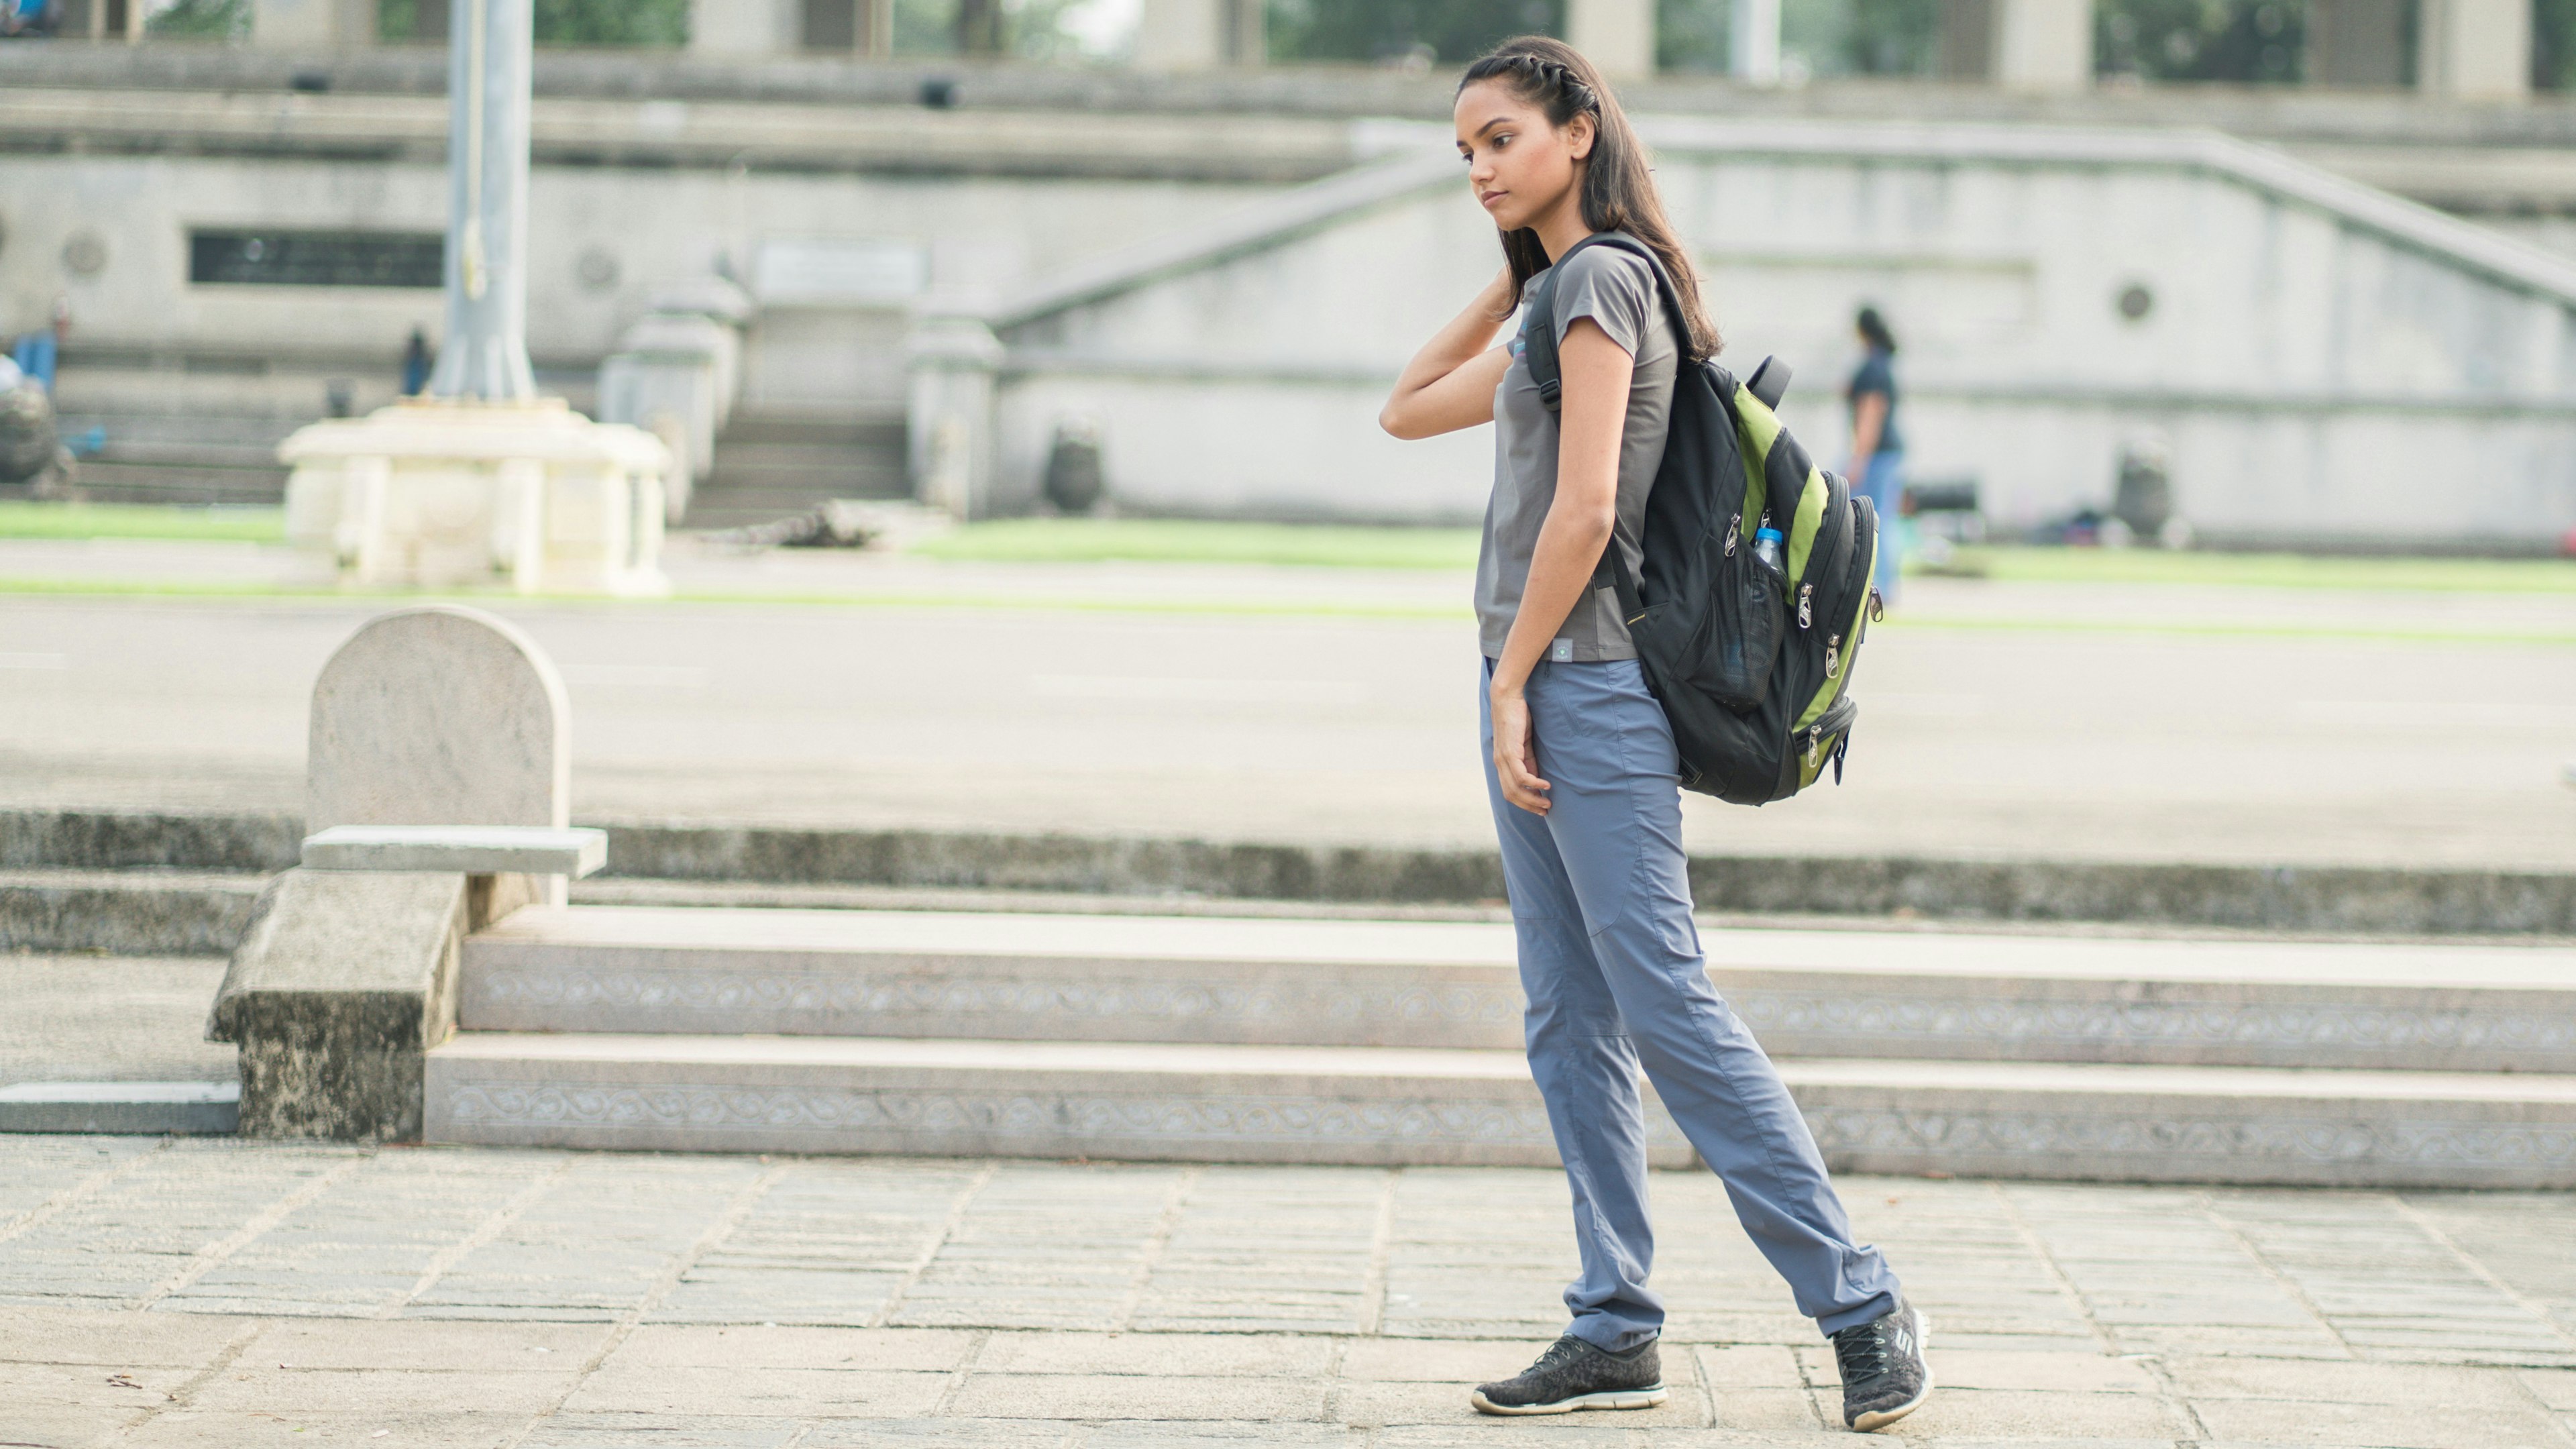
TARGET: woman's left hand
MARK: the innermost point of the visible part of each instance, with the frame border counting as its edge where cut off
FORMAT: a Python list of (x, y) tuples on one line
[(1516, 753)]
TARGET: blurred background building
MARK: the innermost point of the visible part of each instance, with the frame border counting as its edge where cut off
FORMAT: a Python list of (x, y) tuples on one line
[(2316, 258)]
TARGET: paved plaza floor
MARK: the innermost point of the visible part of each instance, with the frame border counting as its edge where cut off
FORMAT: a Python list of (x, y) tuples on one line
[(201, 1292), (2028, 720)]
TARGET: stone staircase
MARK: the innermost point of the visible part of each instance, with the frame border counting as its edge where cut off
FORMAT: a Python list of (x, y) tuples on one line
[(150, 458), (1382, 1042), (769, 467)]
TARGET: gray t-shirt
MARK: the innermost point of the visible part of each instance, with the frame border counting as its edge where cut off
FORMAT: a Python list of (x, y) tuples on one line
[(1616, 289)]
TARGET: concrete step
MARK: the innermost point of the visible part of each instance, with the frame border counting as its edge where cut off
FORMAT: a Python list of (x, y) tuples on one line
[(125, 1108), (194, 482), (1432, 984), (137, 912), (2350, 900), (1407, 1106)]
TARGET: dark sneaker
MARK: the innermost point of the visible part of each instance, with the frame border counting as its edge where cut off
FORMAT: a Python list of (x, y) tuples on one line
[(1573, 1375), (1884, 1375)]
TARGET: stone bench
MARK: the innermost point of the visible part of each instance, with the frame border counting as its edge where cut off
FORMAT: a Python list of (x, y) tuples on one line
[(463, 849), (346, 971)]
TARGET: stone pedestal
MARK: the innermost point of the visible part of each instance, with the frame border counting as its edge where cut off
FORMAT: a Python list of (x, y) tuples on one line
[(950, 423), (2043, 45), (433, 493), (1618, 36), (744, 29), (2474, 50), (303, 24), (1197, 34), (677, 374)]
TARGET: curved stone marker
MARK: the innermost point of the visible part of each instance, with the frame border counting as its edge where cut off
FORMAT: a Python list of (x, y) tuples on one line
[(441, 716)]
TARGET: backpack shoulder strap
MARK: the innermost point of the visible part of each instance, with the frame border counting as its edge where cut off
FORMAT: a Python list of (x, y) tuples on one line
[(1538, 321)]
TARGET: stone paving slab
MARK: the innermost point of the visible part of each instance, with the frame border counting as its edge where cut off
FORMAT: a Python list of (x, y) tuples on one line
[(192, 1292)]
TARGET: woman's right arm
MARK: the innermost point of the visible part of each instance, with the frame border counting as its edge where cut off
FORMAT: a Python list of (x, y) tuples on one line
[(1450, 383)]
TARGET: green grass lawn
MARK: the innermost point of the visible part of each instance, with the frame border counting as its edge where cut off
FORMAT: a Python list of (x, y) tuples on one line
[(22, 519), (1166, 540), (2268, 570)]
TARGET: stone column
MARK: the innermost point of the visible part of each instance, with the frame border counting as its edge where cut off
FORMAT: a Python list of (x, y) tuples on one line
[(484, 356), (1753, 41), (950, 424), (1197, 34), (299, 24), (743, 29), (1618, 36), (2043, 45), (2474, 50)]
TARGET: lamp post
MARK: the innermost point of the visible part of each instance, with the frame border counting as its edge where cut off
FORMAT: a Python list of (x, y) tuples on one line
[(482, 481), (484, 357)]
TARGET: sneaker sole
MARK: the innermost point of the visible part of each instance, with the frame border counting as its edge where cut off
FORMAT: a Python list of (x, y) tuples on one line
[(1878, 1419), (1645, 1398)]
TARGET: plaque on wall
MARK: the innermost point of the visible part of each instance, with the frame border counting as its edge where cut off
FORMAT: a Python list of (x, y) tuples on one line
[(828, 272), (317, 259)]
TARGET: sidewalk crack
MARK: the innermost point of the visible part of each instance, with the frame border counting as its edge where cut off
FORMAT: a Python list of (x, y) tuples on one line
[(2210, 1209), (735, 1211), (2441, 1236), (484, 1232), (178, 1398), (1381, 1249), (930, 1253), (88, 1187), (212, 1256), (1174, 1202), (2177, 1406)]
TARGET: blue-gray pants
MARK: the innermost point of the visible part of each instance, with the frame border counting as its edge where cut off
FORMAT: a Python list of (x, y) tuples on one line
[(1611, 962)]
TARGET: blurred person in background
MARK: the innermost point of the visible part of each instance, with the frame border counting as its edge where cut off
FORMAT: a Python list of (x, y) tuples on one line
[(1878, 450), (415, 363), (30, 17)]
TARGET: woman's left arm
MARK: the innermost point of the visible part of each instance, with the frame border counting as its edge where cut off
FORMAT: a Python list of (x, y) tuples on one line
[(1592, 415)]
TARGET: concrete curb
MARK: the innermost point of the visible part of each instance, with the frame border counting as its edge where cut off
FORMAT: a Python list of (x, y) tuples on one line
[(125, 913), (2357, 899)]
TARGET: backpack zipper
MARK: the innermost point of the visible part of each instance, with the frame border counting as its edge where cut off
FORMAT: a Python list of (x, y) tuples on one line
[(1833, 655), (1733, 530), (1815, 734), (1806, 606)]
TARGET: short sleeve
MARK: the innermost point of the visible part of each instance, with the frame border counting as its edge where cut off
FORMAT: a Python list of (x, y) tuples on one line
[(1615, 288), (1874, 376)]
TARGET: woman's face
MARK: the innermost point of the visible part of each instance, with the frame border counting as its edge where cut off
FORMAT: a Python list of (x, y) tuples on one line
[(1518, 165)]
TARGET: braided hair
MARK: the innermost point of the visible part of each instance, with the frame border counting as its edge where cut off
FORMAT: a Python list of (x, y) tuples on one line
[(1618, 189)]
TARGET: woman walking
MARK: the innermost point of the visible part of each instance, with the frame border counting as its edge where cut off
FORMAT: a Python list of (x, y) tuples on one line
[(1580, 764), (1878, 449)]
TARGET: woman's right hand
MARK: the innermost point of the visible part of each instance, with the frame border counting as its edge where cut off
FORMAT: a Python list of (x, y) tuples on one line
[(1450, 383)]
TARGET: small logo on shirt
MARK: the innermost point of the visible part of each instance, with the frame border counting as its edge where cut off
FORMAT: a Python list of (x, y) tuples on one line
[(1562, 651)]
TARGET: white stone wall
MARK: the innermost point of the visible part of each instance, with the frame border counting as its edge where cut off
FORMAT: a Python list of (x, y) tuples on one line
[(2323, 362), (652, 229)]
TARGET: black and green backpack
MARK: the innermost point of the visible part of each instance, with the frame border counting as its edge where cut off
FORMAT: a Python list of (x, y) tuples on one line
[(1751, 663)]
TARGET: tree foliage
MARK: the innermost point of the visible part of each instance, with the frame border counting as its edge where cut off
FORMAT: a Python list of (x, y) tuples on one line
[(202, 20), (2247, 41)]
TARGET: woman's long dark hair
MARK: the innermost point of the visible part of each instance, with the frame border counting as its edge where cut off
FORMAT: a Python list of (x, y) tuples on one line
[(1873, 329), (1618, 189)]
